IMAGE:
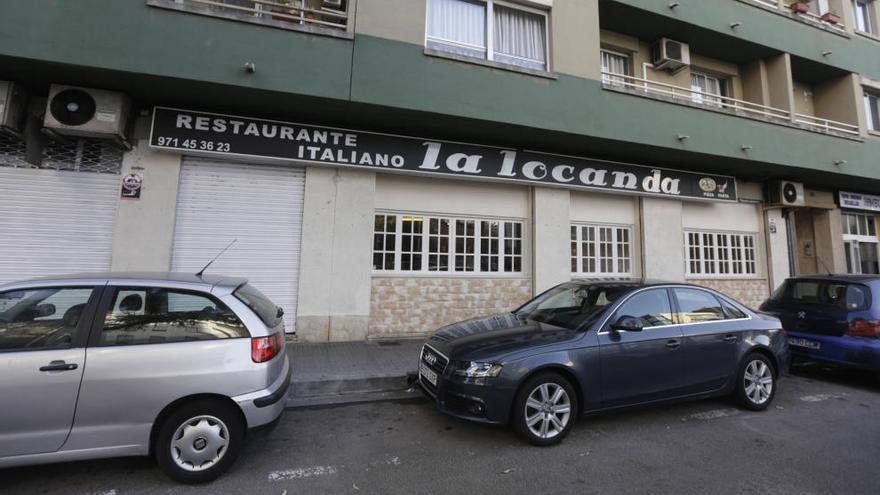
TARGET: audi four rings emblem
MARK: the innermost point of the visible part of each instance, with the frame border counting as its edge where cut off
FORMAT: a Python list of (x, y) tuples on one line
[(431, 359)]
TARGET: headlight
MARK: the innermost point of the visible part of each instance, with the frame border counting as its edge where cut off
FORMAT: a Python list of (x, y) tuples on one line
[(472, 369)]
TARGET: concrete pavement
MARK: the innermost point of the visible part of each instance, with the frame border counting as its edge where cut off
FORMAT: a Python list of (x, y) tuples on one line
[(820, 436)]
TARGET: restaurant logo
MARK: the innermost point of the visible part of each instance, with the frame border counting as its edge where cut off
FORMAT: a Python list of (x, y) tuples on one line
[(202, 133)]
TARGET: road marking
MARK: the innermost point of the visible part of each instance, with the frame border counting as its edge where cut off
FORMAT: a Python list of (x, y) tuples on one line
[(394, 461), (715, 414), (299, 473), (108, 492), (821, 397)]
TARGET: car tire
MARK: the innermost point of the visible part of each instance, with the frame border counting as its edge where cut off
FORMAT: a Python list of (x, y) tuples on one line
[(548, 401), (756, 382), (199, 441)]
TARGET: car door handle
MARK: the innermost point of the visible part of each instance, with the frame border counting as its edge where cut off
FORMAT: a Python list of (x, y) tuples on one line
[(59, 366), (729, 338), (673, 344)]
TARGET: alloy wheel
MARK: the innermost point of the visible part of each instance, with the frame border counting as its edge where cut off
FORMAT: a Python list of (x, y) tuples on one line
[(547, 410), (199, 443), (758, 382)]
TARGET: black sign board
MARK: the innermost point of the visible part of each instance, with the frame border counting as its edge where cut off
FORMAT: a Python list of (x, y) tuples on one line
[(214, 134)]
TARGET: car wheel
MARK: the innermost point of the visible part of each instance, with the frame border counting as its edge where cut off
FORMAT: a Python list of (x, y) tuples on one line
[(545, 409), (199, 441), (756, 382)]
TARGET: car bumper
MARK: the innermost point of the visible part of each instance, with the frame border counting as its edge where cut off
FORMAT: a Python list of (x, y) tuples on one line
[(857, 352), (489, 403), (265, 406)]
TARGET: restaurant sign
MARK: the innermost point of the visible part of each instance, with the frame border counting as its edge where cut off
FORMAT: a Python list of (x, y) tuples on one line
[(204, 133), (858, 201)]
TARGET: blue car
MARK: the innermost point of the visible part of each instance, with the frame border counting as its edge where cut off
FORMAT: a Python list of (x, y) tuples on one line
[(831, 318)]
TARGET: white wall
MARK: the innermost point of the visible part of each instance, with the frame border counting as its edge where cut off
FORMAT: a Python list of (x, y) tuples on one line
[(777, 248), (603, 208), (739, 217), (430, 195), (662, 239), (336, 256), (552, 261), (144, 228)]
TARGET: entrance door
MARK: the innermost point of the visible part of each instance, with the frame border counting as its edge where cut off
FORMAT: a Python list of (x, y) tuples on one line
[(55, 222), (258, 206)]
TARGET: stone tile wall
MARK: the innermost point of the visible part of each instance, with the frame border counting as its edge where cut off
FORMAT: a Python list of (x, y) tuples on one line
[(751, 292), (411, 307)]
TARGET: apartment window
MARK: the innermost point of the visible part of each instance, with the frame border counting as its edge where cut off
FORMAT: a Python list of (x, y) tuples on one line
[(489, 30), (707, 89), (720, 254), (862, 10), (601, 250), (872, 107), (614, 65), (860, 243), (405, 243)]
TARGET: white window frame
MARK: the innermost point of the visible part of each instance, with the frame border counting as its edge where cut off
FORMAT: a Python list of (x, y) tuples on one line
[(872, 110), (709, 99), (867, 24), (721, 254), (579, 258), (610, 78), (453, 251), (490, 33), (865, 233)]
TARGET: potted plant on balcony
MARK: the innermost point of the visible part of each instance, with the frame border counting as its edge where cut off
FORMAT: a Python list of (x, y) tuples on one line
[(801, 6), (831, 17)]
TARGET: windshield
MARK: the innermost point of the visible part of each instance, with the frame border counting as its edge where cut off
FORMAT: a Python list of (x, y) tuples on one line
[(571, 305)]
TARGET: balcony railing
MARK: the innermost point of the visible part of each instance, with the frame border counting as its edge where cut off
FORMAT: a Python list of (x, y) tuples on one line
[(325, 14), (680, 94), (808, 17)]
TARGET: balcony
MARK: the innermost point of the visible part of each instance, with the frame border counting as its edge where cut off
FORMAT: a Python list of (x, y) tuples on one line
[(723, 104), (327, 17), (824, 15)]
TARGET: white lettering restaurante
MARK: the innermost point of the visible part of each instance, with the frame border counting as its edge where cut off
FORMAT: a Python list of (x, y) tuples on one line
[(265, 130)]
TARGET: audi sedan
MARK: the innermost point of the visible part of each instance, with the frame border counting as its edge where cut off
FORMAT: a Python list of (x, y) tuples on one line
[(585, 347), (175, 366)]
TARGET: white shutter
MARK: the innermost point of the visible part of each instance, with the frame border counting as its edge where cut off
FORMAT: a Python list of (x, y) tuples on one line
[(53, 222), (261, 206)]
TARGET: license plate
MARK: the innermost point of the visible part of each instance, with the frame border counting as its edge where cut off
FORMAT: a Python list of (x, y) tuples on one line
[(809, 344), (428, 374)]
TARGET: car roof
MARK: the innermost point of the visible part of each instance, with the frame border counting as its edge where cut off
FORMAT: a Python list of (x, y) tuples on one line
[(625, 282), (843, 277), (205, 281)]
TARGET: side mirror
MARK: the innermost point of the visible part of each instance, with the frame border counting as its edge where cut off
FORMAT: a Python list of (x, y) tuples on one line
[(627, 323), (44, 310), (279, 312)]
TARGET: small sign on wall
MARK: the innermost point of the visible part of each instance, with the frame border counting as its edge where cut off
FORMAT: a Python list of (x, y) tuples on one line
[(772, 227), (132, 184)]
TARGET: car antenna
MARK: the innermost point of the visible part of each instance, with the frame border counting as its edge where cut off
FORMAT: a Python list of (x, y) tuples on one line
[(200, 272)]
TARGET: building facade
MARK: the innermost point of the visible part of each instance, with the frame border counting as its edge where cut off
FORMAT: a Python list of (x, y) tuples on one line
[(380, 168)]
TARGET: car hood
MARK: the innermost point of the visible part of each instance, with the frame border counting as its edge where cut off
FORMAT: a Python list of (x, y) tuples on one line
[(492, 338)]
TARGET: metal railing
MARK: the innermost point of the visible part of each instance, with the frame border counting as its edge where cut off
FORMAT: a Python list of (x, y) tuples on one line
[(724, 103), (303, 12), (811, 17)]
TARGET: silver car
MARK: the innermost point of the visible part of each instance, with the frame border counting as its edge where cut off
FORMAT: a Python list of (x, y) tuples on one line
[(171, 365)]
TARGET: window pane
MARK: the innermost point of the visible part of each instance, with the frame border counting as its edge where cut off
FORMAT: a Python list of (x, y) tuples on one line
[(857, 297), (868, 258), (520, 37), (411, 243), (613, 63), (731, 311), (41, 318), (806, 292), (457, 26), (697, 306), (651, 307), (151, 315)]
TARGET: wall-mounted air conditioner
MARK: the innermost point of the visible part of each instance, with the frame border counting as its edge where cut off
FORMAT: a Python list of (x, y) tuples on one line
[(787, 193), (87, 112), (670, 54)]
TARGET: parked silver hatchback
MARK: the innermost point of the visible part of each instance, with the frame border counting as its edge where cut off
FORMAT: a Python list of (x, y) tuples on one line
[(171, 365)]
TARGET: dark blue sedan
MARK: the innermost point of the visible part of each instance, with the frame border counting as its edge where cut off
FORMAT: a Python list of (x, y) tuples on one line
[(831, 318)]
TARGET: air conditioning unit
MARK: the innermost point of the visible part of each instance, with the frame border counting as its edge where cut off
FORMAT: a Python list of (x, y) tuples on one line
[(670, 54), (334, 4), (787, 193), (87, 112), (13, 109)]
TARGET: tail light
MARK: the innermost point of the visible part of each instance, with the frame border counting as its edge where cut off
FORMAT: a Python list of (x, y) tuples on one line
[(864, 328), (265, 348)]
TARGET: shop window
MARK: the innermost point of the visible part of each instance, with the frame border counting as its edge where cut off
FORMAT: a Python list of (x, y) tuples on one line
[(720, 254), (872, 110), (601, 250), (489, 30), (615, 68), (862, 10), (860, 243), (423, 244), (707, 89)]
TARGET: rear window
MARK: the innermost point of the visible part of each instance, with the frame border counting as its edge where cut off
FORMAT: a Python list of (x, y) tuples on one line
[(831, 294), (259, 304)]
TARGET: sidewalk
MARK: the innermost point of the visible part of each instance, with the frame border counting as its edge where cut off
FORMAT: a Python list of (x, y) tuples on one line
[(345, 372)]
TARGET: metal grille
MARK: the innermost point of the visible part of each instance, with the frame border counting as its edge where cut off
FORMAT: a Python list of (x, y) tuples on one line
[(436, 363), (12, 152), (83, 155)]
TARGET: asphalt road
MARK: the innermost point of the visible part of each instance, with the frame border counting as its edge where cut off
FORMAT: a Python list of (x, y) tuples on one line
[(821, 435)]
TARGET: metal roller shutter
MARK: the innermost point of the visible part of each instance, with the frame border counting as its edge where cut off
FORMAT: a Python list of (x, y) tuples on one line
[(261, 206), (55, 222)]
